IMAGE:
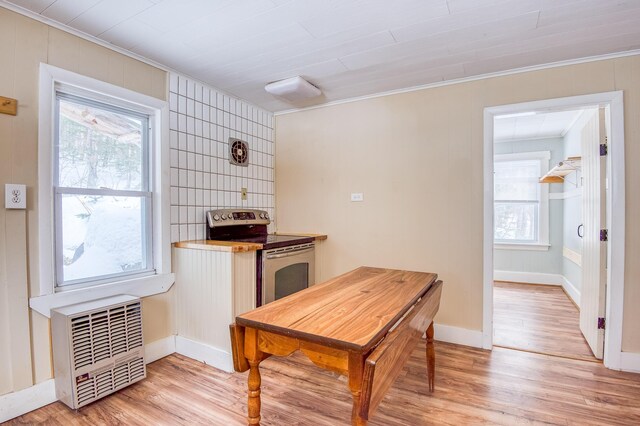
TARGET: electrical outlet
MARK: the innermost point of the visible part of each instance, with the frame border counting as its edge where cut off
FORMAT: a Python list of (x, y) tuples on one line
[(244, 193), (15, 196), (357, 196)]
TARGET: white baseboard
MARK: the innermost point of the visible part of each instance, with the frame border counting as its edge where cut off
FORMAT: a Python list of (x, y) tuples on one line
[(21, 402), (630, 361), (571, 290), (528, 277), (159, 349), (457, 335), (202, 352)]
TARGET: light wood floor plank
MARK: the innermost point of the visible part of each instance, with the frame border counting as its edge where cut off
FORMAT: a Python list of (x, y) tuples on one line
[(503, 387), (537, 318)]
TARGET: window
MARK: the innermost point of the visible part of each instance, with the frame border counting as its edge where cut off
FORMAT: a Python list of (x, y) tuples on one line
[(103, 191), (102, 197), (521, 209)]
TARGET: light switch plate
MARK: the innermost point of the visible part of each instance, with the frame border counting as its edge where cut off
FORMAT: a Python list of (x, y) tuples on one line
[(15, 196), (357, 196)]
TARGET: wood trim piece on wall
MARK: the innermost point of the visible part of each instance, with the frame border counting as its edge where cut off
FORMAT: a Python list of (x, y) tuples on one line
[(205, 353), (528, 277), (21, 402), (573, 256), (457, 335), (571, 291), (159, 349), (613, 101), (630, 361)]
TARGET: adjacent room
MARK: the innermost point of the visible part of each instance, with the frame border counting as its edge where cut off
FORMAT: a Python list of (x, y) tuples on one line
[(287, 212), (538, 220)]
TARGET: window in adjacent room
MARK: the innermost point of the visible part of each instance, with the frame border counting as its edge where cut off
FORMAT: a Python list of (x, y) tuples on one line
[(102, 192), (521, 210)]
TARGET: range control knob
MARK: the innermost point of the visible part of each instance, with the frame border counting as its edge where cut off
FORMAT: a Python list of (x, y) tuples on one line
[(261, 215), (224, 216), (266, 215), (216, 217)]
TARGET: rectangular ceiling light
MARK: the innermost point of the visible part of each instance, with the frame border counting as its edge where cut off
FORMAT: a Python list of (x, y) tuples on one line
[(293, 89)]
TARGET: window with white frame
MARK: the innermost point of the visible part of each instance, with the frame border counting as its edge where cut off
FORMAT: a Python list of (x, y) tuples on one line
[(102, 196), (521, 210)]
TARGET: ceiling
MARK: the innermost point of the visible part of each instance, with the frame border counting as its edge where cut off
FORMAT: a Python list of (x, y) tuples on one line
[(535, 126), (349, 48)]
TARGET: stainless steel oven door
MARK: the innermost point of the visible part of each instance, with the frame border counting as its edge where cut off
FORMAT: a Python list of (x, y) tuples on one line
[(287, 270)]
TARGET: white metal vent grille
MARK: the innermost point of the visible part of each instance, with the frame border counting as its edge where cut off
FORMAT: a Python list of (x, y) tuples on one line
[(105, 334), (93, 387), (98, 348)]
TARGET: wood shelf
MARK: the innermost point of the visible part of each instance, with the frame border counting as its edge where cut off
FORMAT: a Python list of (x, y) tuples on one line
[(558, 173)]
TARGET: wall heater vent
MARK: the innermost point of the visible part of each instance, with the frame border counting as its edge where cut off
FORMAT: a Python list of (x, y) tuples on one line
[(97, 348)]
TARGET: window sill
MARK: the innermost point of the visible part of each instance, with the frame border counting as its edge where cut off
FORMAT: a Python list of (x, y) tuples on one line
[(521, 246), (140, 287)]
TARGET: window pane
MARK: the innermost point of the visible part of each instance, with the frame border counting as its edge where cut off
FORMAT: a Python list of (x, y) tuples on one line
[(99, 148), (101, 235), (516, 222), (517, 180)]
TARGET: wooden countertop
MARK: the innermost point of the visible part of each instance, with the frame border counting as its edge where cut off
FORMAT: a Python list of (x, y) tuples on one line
[(352, 311), (214, 245), (235, 247)]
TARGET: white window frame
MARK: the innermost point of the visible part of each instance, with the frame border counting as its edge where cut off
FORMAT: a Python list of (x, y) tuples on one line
[(50, 296), (543, 214)]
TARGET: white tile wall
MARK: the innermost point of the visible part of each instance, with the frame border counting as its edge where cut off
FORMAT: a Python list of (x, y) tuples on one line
[(202, 178)]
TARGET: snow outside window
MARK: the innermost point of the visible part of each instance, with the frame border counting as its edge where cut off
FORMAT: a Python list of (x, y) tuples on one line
[(102, 192), (518, 200)]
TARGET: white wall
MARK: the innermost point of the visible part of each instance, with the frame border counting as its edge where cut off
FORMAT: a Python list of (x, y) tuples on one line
[(418, 158), (546, 261), (202, 178)]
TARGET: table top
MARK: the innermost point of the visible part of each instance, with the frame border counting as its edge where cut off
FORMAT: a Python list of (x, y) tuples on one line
[(352, 311)]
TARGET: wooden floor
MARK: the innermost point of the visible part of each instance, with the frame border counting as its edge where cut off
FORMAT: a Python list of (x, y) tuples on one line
[(538, 318), (472, 387)]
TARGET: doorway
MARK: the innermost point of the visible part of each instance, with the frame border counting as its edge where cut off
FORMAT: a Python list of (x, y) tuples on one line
[(535, 231)]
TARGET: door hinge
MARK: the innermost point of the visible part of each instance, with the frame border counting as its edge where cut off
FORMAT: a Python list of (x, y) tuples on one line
[(604, 150), (604, 235), (600, 323)]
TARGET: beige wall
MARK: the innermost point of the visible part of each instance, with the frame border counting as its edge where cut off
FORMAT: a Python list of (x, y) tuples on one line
[(25, 355), (418, 159)]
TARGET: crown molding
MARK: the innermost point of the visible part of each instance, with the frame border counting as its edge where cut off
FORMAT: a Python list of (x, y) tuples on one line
[(62, 27), (466, 80)]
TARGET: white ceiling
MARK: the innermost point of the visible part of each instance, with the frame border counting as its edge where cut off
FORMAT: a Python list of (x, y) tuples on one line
[(349, 48), (538, 126)]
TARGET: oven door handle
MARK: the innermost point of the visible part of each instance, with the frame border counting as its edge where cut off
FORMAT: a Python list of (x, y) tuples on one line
[(289, 253)]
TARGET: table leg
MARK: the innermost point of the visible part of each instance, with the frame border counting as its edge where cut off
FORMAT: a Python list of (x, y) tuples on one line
[(431, 358), (356, 371), (254, 393), (254, 356)]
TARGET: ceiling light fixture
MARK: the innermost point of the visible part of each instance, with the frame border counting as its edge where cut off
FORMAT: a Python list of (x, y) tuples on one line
[(293, 89)]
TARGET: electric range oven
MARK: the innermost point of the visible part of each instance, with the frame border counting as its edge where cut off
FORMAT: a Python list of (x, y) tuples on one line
[(286, 263)]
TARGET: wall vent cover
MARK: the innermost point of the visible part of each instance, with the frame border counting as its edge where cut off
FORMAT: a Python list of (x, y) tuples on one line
[(97, 348), (238, 152)]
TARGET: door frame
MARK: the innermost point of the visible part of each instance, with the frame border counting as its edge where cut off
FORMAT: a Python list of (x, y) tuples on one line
[(615, 213)]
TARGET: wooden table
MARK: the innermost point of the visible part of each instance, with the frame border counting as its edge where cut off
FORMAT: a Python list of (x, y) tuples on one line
[(363, 324)]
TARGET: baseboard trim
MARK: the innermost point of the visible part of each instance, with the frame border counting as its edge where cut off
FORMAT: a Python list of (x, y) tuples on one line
[(159, 349), (630, 361), (528, 277), (23, 401), (457, 335), (571, 291), (204, 353)]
